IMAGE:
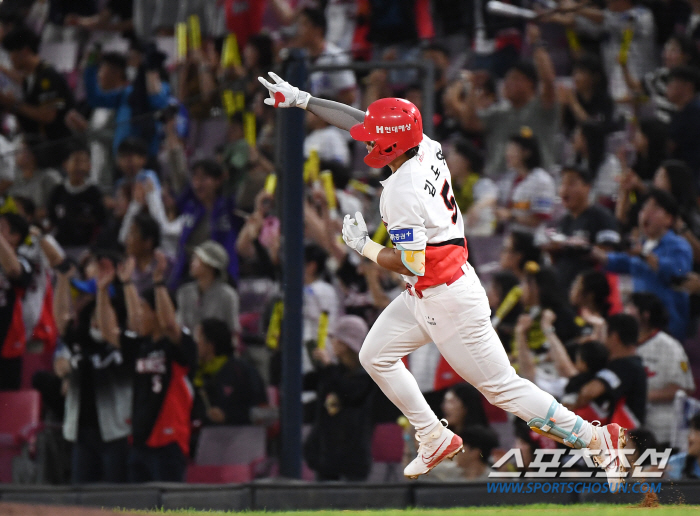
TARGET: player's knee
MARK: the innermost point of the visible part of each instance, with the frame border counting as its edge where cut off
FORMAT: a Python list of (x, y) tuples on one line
[(367, 358)]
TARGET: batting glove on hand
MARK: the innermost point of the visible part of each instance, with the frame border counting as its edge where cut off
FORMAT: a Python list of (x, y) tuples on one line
[(355, 232), (283, 94)]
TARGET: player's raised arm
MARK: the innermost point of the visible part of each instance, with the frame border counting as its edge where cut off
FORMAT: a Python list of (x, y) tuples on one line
[(284, 95)]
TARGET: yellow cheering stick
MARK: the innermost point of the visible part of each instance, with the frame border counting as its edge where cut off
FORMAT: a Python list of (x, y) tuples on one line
[(507, 305), (312, 167), (572, 39), (239, 97), (249, 128), (181, 35), (275, 329), (627, 36), (195, 32), (230, 55), (322, 334), (229, 103), (270, 184)]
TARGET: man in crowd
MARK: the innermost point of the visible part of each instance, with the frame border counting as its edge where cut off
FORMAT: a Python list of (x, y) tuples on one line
[(164, 357), (661, 258), (208, 296), (665, 362), (15, 275), (312, 37), (621, 387), (46, 96), (75, 207), (684, 129), (583, 225), (531, 95), (142, 241)]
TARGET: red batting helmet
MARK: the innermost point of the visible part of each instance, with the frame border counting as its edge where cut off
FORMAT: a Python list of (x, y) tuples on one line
[(394, 125)]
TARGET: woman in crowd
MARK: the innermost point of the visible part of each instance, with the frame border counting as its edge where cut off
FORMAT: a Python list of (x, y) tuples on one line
[(527, 193)]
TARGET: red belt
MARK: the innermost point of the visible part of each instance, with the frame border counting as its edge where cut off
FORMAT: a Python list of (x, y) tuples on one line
[(419, 293)]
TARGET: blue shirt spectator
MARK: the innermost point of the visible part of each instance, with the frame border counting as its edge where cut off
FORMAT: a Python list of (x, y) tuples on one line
[(119, 99), (662, 258)]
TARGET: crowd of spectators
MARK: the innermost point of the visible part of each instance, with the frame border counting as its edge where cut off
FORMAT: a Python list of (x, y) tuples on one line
[(140, 238)]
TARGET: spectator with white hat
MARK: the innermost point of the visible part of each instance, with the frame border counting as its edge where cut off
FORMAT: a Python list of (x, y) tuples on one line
[(209, 295)]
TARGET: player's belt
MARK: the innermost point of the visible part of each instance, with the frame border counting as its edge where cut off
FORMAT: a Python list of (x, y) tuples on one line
[(419, 293)]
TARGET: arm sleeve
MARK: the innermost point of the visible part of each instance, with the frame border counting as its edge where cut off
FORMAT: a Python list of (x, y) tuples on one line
[(160, 100), (335, 113), (677, 262)]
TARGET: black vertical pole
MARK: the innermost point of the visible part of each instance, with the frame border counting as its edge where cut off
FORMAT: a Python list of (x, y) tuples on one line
[(292, 149)]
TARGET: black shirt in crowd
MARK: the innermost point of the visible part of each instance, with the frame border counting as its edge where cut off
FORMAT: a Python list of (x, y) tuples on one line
[(595, 225), (76, 213), (47, 87), (235, 389), (163, 393), (625, 382), (684, 135)]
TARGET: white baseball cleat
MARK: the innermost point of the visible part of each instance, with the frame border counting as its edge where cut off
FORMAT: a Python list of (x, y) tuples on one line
[(440, 444), (612, 439)]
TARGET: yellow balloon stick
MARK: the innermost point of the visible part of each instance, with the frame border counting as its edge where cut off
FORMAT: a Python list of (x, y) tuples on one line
[(326, 179), (181, 34), (195, 32), (229, 102), (249, 128), (230, 56), (311, 167), (322, 330), (271, 184)]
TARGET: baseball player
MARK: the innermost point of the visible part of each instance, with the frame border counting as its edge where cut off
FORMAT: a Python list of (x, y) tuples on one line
[(444, 301)]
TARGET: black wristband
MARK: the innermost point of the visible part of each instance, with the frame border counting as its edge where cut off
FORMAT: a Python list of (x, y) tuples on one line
[(159, 284), (127, 283)]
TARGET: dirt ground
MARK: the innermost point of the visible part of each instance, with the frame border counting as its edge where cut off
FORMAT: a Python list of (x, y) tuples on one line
[(19, 509)]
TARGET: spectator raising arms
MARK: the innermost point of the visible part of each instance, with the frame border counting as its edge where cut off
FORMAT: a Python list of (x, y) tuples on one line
[(15, 275), (164, 357)]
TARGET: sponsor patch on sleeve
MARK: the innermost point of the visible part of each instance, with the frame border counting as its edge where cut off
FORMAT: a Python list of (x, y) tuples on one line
[(401, 235)]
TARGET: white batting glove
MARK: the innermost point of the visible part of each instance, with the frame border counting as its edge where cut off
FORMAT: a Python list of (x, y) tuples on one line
[(283, 94), (355, 232)]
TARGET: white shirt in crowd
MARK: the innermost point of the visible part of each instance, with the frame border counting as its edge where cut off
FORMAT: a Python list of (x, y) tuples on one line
[(665, 362)]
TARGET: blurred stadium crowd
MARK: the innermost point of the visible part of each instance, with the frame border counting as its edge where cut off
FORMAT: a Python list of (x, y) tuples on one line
[(140, 264)]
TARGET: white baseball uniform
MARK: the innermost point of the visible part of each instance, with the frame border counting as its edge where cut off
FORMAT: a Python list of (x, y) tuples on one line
[(447, 305)]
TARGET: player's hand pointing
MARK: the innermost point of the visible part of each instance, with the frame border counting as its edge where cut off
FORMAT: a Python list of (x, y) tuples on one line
[(355, 232), (283, 94)]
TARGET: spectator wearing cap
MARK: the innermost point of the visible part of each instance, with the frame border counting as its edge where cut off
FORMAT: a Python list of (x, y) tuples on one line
[(583, 225), (207, 215), (473, 463), (527, 191), (529, 90), (476, 195), (339, 445), (684, 129), (226, 387), (659, 259), (209, 295)]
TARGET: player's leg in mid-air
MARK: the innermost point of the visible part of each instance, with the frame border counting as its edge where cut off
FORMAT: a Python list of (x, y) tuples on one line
[(464, 335), (395, 334)]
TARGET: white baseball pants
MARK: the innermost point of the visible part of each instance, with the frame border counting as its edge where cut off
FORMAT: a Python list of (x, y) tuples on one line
[(457, 319)]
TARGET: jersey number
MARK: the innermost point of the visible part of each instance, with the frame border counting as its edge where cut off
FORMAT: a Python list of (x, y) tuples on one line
[(449, 201)]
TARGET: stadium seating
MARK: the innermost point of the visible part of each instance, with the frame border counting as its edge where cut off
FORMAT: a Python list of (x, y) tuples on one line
[(19, 424)]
